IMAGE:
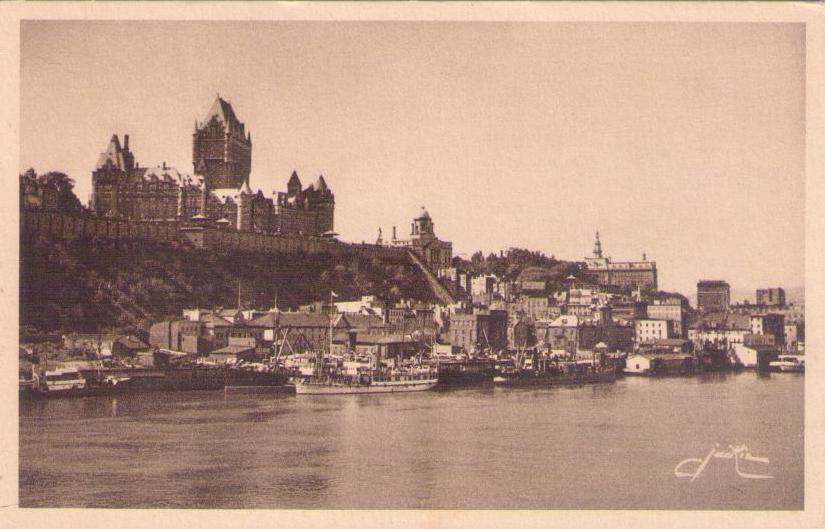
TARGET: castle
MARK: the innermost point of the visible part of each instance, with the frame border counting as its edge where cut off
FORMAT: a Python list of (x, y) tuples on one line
[(218, 195)]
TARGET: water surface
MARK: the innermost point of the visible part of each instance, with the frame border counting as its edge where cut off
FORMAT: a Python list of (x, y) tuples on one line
[(593, 447)]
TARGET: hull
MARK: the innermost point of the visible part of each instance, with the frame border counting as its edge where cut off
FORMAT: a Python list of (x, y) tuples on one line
[(465, 374), (287, 389), (316, 388), (540, 380), (785, 368), (242, 377)]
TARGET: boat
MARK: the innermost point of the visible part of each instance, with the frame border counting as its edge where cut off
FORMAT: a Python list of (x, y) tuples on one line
[(256, 379), (454, 371), (62, 382), (788, 364), (360, 374), (28, 381), (393, 381), (255, 374), (544, 372)]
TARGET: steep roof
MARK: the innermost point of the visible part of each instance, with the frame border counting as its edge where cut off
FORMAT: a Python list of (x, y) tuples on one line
[(293, 319), (294, 181), (362, 321), (161, 173), (221, 110), (321, 184), (113, 153)]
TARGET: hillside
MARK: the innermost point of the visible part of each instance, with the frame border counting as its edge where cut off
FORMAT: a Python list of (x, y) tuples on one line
[(90, 286)]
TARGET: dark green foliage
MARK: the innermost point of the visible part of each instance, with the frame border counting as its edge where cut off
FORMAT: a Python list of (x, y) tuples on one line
[(90, 286)]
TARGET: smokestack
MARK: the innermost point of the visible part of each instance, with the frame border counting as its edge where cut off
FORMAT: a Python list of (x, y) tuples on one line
[(125, 142)]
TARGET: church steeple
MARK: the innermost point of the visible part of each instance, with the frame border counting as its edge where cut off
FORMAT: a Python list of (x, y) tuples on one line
[(597, 248)]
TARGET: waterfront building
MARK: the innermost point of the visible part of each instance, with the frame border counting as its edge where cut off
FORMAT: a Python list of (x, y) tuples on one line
[(669, 310), (624, 274), (794, 335), (435, 253), (771, 324), (479, 329), (659, 364), (770, 297), (719, 329), (569, 334), (650, 330), (297, 332), (712, 295), (754, 356)]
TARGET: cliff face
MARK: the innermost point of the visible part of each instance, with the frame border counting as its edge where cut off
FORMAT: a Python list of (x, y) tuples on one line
[(86, 286)]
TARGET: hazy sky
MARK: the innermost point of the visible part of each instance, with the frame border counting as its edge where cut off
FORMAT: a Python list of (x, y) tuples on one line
[(684, 141)]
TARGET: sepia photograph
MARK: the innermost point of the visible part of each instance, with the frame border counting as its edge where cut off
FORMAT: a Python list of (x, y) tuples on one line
[(490, 264)]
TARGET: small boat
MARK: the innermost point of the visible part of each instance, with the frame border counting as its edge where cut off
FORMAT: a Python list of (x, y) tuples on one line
[(390, 382), (788, 364), (62, 382), (28, 381)]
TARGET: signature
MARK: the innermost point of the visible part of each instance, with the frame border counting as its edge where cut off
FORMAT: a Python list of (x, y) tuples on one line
[(738, 453)]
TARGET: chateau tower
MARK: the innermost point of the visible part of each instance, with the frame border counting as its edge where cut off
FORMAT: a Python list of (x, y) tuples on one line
[(114, 168), (221, 148)]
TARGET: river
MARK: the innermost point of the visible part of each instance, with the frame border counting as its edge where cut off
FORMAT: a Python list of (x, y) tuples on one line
[(610, 446)]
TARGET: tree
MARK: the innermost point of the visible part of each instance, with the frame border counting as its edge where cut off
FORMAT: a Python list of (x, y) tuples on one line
[(67, 201)]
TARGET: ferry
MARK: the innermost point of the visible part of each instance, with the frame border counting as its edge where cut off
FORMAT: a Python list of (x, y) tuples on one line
[(394, 381), (788, 364), (62, 382)]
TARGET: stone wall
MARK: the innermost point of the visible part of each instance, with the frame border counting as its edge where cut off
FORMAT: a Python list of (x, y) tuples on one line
[(61, 226)]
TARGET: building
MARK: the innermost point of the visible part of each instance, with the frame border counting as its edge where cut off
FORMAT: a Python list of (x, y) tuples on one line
[(794, 335), (754, 356), (36, 192), (771, 324), (649, 331), (659, 364), (569, 334), (624, 274), (481, 329), (435, 253), (719, 330), (217, 193), (669, 311), (222, 148), (770, 297), (712, 295)]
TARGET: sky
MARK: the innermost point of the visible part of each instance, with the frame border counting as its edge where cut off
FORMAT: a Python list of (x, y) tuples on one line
[(683, 141)]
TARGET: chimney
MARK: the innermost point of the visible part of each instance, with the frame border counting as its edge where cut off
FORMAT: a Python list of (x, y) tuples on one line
[(125, 142), (393, 233)]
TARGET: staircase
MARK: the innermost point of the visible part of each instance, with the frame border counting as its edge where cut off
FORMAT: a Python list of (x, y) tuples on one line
[(440, 291)]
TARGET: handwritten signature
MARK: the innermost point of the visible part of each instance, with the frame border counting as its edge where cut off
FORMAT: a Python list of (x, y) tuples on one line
[(738, 453)]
